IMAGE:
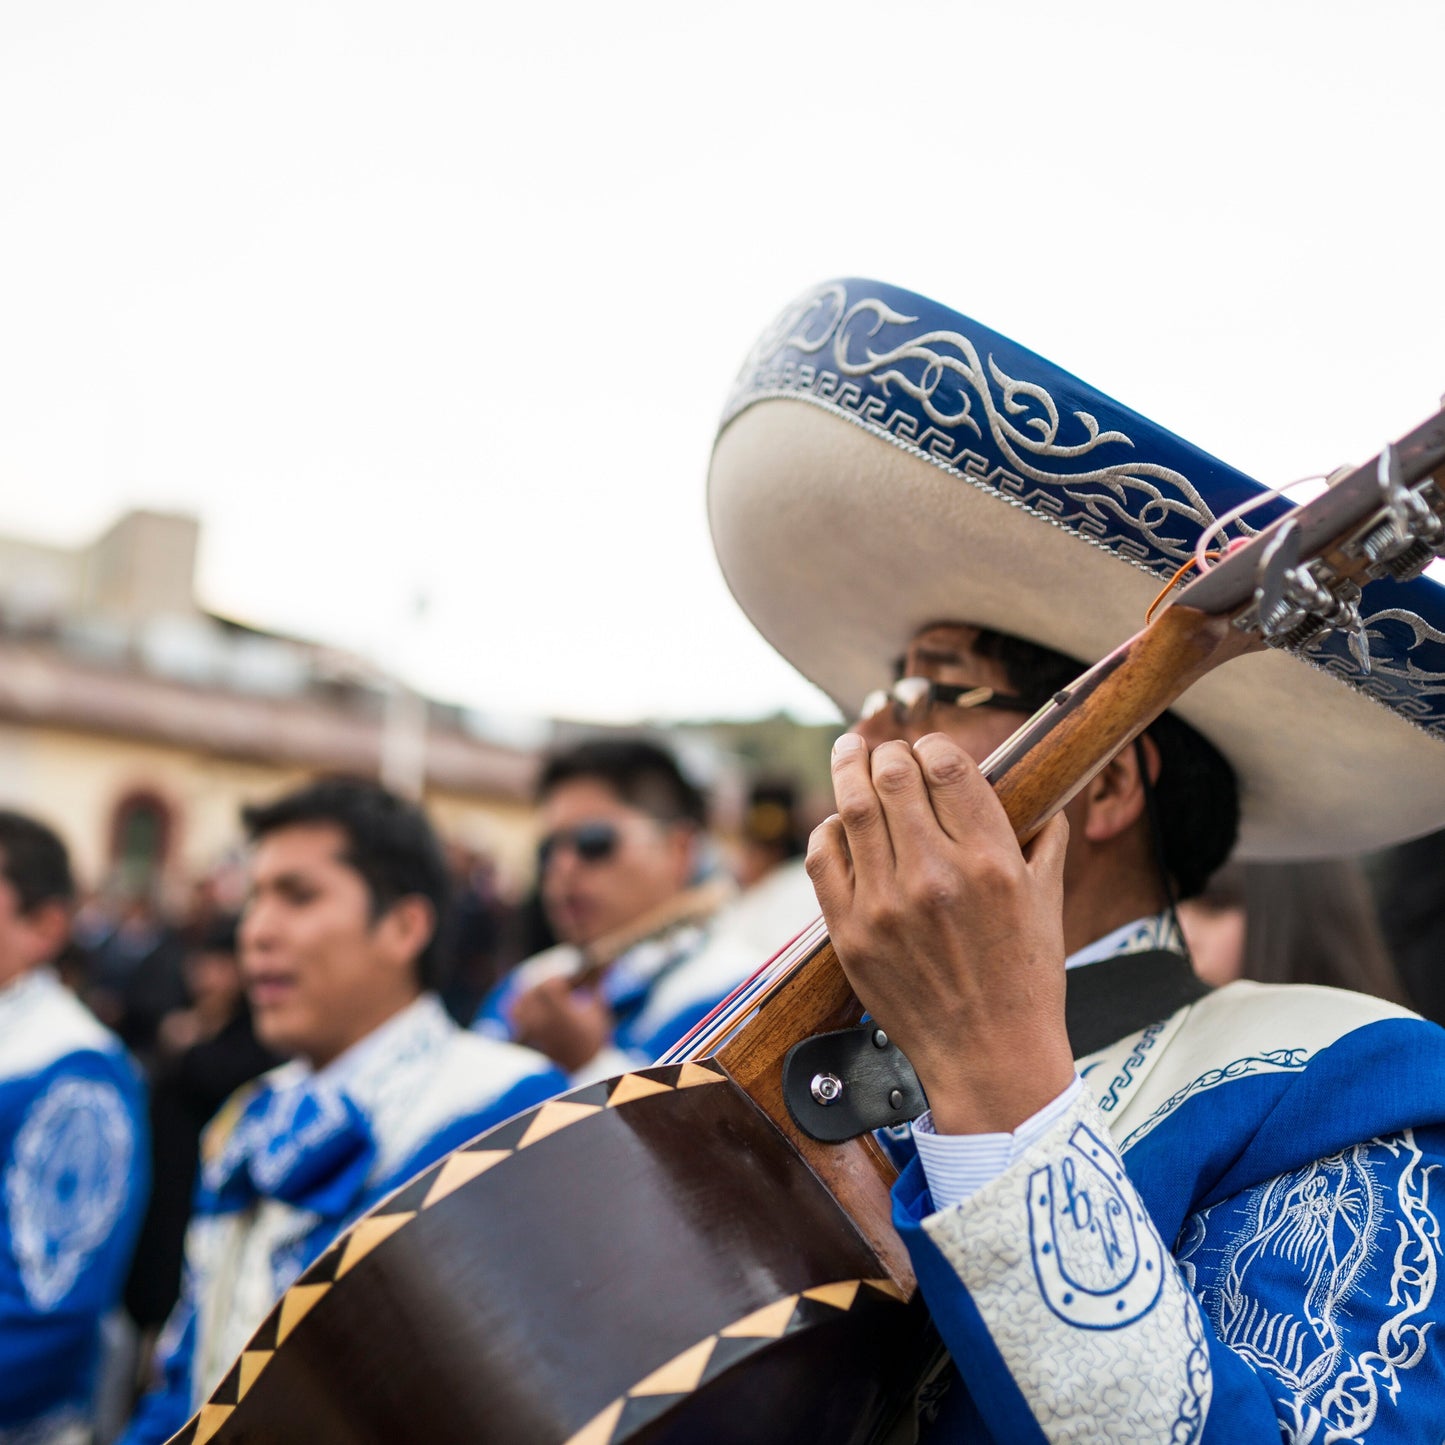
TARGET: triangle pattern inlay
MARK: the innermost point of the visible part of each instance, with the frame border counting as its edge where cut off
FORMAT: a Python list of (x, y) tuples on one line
[(840, 1295), (211, 1418), (690, 1075), (598, 1430), (634, 1086), (768, 1323), (252, 1363), (462, 1169), (296, 1304), (366, 1235), (680, 1375), (556, 1115), (886, 1286)]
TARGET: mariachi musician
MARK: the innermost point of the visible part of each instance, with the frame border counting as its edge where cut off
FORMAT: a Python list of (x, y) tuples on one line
[(627, 885), (1138, 1211), (652, 932)]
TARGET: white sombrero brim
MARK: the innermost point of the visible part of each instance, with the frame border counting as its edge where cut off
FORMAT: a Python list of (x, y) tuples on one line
[(840, 540)]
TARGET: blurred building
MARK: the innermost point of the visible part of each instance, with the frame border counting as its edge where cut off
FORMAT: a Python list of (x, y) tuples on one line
[(138, 723)]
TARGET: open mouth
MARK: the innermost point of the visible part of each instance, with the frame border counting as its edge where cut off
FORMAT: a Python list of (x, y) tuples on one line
[(265, 990)]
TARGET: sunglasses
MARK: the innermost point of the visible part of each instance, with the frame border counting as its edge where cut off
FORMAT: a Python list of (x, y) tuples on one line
[(912, 697), (591, 842)]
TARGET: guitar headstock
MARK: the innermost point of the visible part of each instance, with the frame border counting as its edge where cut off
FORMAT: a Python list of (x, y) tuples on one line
[(1304, 575)]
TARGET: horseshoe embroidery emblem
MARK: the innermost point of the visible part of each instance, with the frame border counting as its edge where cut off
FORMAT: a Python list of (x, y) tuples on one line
[(1099, 1264)]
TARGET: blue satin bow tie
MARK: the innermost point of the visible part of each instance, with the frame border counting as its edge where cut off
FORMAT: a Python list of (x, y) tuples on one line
[(307, 1145)]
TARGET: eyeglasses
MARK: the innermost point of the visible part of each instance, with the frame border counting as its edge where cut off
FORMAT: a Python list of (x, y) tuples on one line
[(912, 697), (591, 842)]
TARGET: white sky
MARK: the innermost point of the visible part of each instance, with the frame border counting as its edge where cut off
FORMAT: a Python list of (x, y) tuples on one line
[(447, 296)]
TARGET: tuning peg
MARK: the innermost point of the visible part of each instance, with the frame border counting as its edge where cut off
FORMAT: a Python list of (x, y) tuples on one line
[(1403, 541), (1279, 563), (1293, 606)]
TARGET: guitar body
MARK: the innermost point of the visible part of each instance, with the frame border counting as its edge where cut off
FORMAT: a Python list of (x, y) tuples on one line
[(645, 1260)]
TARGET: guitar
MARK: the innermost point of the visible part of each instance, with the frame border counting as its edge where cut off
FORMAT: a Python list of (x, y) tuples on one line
[(670, 1256)]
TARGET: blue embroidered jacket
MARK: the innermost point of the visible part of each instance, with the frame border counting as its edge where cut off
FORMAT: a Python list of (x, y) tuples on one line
[(1233, 1235), (73, 1167), (293, 1159)]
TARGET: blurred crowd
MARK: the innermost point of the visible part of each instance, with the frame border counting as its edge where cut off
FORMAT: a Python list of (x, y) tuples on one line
[(141, 967), (150, 1024), (195, 1029)]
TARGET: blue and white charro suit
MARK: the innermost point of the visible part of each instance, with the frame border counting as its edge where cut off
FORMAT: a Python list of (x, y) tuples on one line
[(73, 1178), (297, 1156)]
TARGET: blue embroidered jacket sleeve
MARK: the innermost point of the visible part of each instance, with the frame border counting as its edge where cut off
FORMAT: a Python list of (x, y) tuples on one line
[(1301, 1290), (1057, 1298), (74, 1186)]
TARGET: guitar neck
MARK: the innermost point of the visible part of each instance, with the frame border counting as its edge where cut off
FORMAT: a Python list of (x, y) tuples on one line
[(1066, 744), (1035, 773)]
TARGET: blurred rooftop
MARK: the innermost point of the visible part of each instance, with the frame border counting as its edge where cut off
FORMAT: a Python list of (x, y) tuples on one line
[(109, 637)]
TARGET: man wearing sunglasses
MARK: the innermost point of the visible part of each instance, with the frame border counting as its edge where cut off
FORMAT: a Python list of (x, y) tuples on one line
[(623, 874), (1137, 1210)]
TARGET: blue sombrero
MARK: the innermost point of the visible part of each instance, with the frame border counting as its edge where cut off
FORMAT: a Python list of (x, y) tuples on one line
[(884, 463)]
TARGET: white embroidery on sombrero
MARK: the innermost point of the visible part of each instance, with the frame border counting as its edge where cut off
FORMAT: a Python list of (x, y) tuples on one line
[(1420, 679), (1132, 503), (1161, 493)]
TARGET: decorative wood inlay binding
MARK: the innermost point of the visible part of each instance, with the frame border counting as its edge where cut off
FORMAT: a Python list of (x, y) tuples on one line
[(636, 1086), (679, 1376), (554, 1116), (767, 1323), (461, 1169), (367, 1234), (703, 1362), (211, 1418), (691, 1075), (251, 1364), (296, 1304)]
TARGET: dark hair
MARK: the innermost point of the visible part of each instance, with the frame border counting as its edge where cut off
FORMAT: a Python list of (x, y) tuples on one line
[(1410, 905), (642, 774), (389, 842), (34, 861), (218, 935), (1312, 922), (1197, 793)]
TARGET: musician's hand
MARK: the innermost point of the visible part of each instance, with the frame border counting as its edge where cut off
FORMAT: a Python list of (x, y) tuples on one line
[(950, 935), (568, 1025)]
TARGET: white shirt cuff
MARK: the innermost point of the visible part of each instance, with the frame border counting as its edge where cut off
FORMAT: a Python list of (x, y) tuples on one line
[(957, 1166)]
